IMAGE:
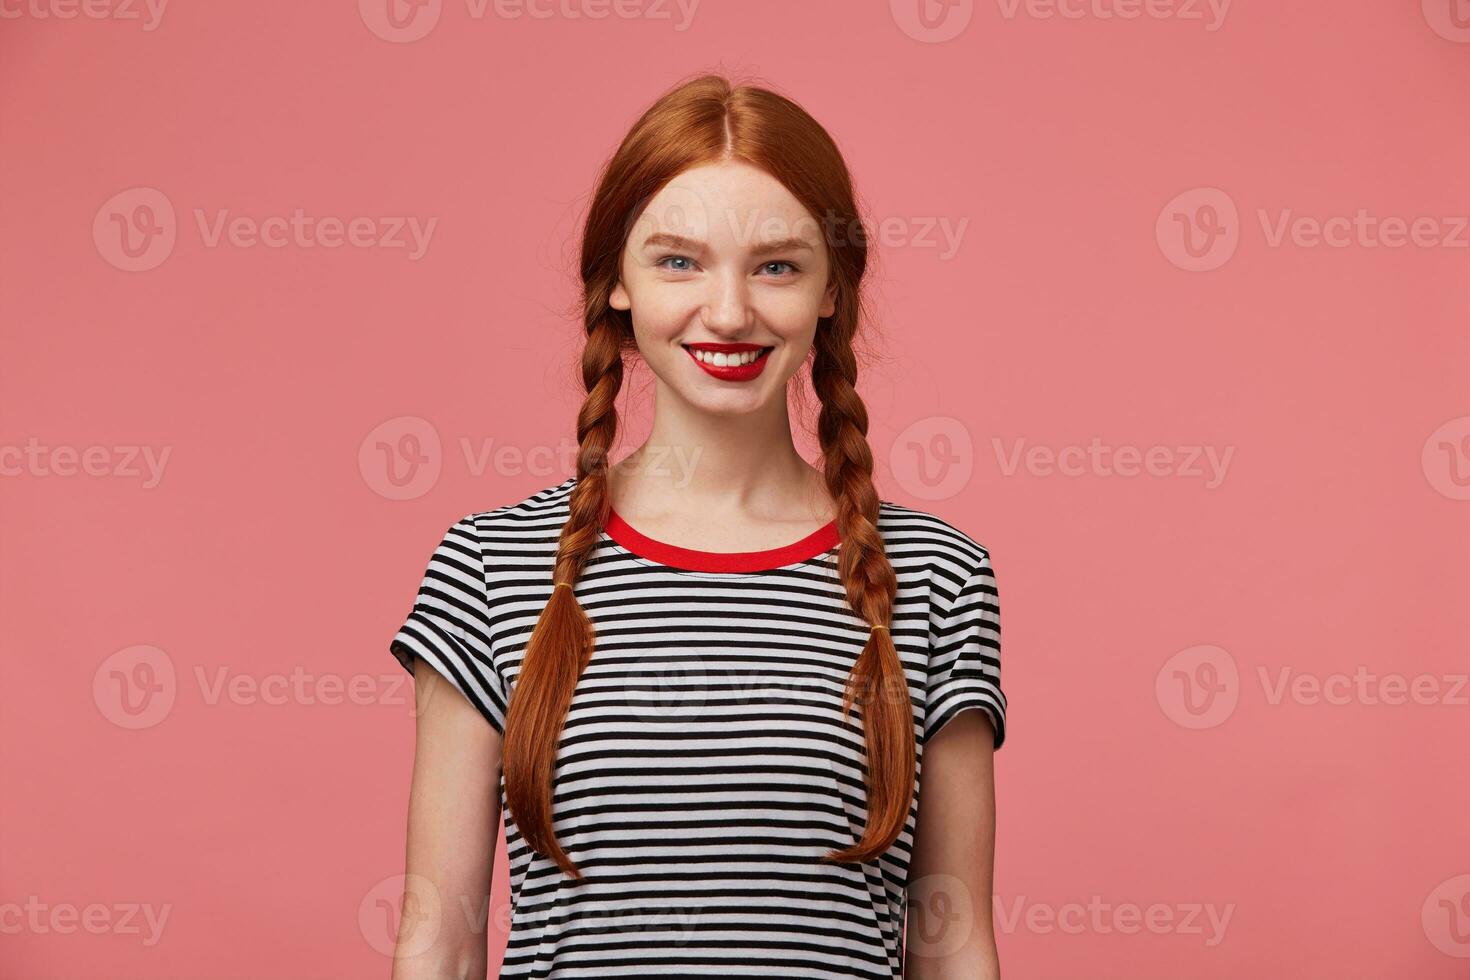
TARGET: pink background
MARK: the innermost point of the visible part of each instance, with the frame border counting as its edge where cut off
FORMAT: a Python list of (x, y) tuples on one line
[(267, 819)]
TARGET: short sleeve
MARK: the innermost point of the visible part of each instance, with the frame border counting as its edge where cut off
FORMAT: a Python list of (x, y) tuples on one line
[(448, 625), (964, 656)]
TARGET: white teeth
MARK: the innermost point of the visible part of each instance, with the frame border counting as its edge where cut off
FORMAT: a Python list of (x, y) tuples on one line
[(721, 359)]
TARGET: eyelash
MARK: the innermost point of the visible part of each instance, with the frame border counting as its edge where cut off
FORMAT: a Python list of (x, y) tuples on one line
[(792, 265)]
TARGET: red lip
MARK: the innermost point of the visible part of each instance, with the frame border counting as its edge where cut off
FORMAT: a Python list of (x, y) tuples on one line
[(743, 372), (725, 348)]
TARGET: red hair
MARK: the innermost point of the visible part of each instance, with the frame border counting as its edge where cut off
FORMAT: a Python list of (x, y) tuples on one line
[(706, 120)]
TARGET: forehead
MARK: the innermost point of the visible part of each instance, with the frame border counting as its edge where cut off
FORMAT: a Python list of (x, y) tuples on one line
[(728, 205)]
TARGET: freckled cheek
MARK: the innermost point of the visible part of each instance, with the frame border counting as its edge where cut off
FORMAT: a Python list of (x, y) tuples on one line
[(662, 313), (788, 313)]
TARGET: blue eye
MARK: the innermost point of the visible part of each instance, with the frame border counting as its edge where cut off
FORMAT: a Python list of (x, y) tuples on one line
[(789, 268)]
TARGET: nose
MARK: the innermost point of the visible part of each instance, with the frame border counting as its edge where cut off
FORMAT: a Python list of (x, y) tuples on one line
[(727, 308)]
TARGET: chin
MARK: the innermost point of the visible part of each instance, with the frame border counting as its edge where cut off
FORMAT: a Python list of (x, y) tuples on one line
[(724, 405)]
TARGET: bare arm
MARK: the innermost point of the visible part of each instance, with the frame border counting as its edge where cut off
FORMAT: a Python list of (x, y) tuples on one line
[(950, 931), (453, 819)]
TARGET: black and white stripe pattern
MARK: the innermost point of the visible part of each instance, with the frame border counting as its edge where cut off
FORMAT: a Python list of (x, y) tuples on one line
[(704, 766)]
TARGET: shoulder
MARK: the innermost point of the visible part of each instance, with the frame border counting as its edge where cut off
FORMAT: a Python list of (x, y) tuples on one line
[(916, 538), (547, 504), (536, 515)]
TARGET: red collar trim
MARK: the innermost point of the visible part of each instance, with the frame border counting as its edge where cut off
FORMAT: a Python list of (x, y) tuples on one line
[(822, 539)]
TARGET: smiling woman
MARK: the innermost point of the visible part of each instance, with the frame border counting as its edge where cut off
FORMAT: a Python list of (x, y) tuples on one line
[(737, 718)]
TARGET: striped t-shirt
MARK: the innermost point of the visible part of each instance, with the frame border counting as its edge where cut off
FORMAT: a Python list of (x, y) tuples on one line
[(705, 767)]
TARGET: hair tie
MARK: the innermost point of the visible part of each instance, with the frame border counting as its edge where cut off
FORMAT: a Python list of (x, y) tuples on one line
[(880, 626), (560, 584)]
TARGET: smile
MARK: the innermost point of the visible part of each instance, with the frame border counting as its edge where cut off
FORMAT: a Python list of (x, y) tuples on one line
[(730, 362)]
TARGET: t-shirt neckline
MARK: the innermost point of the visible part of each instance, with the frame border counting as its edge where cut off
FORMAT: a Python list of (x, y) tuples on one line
[(821, 540)]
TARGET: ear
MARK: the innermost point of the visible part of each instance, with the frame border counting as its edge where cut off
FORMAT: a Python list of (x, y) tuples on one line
[(829, 302), (619, 300)]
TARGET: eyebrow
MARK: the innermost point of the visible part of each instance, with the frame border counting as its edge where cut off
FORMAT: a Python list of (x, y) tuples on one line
[(663, 239)]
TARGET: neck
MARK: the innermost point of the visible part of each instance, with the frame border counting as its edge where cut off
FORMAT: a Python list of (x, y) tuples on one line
[(720, 467)]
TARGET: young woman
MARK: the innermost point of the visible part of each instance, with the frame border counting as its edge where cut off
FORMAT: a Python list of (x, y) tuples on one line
[(720, 696)]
